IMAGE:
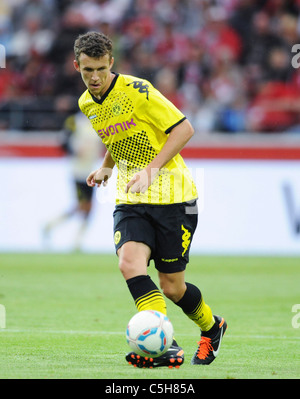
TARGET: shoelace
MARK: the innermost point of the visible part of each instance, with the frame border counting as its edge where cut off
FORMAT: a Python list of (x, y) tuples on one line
[(204, 347)]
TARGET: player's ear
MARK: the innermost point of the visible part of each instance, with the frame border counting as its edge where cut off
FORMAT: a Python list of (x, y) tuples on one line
[(111, 62), (76, 66)]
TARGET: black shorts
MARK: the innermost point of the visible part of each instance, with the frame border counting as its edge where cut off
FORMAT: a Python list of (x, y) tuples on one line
[(83, 191), (167, 229)]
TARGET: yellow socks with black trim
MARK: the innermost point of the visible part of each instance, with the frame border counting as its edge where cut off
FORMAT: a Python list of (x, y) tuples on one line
[(195, 308), (146, 295)]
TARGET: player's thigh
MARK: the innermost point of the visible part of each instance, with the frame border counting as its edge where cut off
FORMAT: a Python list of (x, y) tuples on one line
[(131, 224), (134, 238), (133, 259)]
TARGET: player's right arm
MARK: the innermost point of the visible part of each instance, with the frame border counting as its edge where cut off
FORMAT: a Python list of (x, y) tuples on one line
[(103, 173)]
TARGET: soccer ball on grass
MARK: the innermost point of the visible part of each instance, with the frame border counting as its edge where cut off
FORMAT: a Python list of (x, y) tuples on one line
[(149, 333)]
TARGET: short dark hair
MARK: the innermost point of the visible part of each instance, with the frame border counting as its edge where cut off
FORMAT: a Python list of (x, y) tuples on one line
[(93, 44)]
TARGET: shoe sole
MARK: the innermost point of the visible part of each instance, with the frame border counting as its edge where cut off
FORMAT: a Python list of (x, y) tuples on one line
[(145, 362)]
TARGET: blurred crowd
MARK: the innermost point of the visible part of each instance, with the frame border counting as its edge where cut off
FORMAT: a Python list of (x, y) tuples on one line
[(227, 64)]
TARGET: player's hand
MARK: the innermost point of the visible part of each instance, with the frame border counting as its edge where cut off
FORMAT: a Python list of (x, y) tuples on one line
[(98, 177), (141, 181), (90, 179)]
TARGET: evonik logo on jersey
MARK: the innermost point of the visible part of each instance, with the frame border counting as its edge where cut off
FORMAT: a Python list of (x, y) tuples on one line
[(116, 128)]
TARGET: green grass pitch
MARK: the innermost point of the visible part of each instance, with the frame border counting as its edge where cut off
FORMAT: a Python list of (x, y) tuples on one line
[(66, 316)]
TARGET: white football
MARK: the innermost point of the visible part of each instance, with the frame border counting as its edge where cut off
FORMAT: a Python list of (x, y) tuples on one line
[(149, 333)]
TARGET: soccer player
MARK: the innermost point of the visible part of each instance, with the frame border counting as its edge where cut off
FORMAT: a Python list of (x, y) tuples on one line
[(156, 213)]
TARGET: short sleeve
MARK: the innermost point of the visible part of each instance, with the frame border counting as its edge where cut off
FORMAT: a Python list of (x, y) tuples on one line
[(161, 112)]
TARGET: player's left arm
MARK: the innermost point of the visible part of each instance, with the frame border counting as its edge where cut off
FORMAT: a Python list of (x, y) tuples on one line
[(177, 139)]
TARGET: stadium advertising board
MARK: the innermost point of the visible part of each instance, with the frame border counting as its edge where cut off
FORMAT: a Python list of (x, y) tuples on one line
[(245, 207)]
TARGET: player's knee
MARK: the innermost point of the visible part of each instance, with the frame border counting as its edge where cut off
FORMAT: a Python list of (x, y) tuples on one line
[(124, 266), (133, 259), (128, 268), (85, 207)]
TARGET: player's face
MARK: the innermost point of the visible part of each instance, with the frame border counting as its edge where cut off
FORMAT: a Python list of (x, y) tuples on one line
[(95, 72)]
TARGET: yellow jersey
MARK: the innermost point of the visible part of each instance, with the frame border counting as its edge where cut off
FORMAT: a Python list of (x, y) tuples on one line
[(133, 120)]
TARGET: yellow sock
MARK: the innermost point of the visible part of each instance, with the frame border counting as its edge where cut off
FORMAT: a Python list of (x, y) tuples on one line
[(153, 300), (202, 316), (195, 308), (146, 295)]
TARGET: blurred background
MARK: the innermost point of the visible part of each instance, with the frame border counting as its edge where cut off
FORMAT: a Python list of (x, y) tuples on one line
[(227, 64)]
